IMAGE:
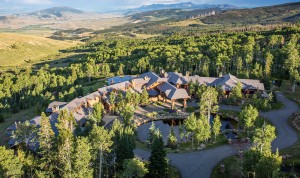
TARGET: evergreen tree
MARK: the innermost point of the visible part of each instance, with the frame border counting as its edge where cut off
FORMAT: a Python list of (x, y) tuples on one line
[(151, 133), (134, 168), (144, 97), (46, 140), (158, 163), (125, 144), (65, 126), (10, 165), (172, 140), (81, 159), (101, 142)]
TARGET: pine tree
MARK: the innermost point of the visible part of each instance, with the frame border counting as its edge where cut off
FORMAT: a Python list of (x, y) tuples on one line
[(151, 133), (46, 138), (81, 159), (158, 163), (144, 97), (10, 165), (172, 140), (134, 168), (65, 126), (101, 141), (125, 144)]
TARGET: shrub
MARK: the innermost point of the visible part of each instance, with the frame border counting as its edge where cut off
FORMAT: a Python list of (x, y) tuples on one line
[(190, 109)]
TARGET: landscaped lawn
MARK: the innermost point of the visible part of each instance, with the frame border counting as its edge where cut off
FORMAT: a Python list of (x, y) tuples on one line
[(186, 147)]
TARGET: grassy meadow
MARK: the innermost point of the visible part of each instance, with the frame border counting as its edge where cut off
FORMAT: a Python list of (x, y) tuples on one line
[(19, 49)]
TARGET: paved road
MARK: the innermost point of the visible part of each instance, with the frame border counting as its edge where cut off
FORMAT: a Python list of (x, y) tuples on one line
[(200, 164)]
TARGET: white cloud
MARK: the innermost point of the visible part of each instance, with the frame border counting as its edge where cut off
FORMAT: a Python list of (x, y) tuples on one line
[(36, 1)]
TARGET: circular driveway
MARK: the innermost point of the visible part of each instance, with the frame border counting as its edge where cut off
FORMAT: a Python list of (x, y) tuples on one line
[(201, 163)]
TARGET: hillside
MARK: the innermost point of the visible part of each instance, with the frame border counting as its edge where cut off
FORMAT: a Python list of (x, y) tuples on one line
[(55, 12), (263, 15), (186, 5), (64, 18), (17, 49)]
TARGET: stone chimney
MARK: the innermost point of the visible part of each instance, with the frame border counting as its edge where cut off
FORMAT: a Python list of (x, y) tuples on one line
[(162, 72), (187, 74)]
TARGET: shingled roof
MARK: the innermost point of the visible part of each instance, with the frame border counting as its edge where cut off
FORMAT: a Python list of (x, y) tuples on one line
[(229, 81), (177, 78), (172, 92), (55, 104)]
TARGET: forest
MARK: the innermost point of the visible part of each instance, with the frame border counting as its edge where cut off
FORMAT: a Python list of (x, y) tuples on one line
[(265, 55)]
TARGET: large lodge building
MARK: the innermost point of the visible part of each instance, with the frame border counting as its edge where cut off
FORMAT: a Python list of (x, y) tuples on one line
[(168, 86)]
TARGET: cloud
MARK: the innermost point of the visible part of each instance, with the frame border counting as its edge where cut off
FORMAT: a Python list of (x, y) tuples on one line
[(36, 1)]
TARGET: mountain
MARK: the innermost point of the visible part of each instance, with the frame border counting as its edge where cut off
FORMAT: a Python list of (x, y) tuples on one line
[(187, 5), (289, 12), (55, 12)]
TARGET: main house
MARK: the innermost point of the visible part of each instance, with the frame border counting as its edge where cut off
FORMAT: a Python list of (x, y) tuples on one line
[(167, 86)]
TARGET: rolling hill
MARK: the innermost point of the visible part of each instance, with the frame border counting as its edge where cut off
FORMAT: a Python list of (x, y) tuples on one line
[(65, 18), (262, 15), (17, 49), (187, 5)]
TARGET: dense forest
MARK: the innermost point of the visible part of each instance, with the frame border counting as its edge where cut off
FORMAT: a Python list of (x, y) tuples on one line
[(260, 55)]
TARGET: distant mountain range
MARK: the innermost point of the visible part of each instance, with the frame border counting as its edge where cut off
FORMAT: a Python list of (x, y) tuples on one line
[(187, 5), (55, 12)]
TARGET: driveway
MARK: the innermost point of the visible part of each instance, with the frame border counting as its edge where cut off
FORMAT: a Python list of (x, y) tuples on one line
[(200, 164)]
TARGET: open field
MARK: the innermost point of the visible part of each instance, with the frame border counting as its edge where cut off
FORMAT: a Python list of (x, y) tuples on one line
[(19, 49)]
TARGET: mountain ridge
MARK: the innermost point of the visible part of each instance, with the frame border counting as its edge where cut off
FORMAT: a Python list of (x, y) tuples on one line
[(185, 5)]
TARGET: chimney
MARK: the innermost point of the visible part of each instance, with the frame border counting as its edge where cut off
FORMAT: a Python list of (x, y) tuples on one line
[(187, 74), (162, 72)]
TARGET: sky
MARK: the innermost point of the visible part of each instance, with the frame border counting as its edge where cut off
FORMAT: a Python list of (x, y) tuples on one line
[(19, 6)]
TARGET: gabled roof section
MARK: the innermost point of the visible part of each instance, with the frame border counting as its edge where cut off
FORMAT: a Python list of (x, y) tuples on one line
[(172, 92), (226, 81), (55, 104), (177, 78), (202, 80), (118, 86)]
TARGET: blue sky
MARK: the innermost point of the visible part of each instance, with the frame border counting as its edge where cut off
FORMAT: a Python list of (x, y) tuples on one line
[(17, 6)]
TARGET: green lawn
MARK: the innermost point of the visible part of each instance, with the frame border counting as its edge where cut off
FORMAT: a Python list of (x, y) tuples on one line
[(186, 147)]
